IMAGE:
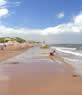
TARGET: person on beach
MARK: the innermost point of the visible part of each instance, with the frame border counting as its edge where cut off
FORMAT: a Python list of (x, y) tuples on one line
[(53, 53), (1, 47)]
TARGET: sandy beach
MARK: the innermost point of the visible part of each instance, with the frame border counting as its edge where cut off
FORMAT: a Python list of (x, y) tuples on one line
[(40, 47), (12, 51), (38, 76), (38, 79)]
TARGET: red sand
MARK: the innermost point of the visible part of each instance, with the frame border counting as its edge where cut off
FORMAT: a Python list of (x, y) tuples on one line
[(12, 51), (38, 79)]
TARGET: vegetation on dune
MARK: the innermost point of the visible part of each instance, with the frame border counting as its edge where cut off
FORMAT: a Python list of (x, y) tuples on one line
[(20, 40), (2, 40), (17, 39), (6, 39)]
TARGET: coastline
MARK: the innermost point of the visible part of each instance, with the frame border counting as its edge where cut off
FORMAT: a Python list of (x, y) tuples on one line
[(40, 76), (57, 58)]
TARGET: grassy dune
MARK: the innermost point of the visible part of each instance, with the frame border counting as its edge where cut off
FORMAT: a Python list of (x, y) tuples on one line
[(6, 39)]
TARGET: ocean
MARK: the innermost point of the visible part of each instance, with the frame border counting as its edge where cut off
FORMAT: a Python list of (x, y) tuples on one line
[(72, 54)]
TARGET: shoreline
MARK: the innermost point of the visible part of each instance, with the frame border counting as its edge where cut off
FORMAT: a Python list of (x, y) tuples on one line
[(58, 58), (38, 77)]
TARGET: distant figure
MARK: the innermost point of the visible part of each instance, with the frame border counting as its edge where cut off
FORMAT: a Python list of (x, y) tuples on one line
[(2, 47), (52, 53)]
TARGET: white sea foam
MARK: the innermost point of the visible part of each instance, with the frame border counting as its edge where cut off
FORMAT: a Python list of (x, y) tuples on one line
[(74, 61), (67, 51), (76, 64), (71, 49)]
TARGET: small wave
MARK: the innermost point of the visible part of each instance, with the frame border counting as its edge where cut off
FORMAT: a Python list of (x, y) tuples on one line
[(65, 51), (76, 60), (65, 48), (68, 48)]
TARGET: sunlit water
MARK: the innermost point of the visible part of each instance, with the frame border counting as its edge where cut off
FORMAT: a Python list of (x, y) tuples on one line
[(72, 55), (32, 58), (29, 56)]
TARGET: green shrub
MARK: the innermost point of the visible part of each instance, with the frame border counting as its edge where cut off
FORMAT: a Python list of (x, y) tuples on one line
[(2, 40), (20, 40), (6, 40)]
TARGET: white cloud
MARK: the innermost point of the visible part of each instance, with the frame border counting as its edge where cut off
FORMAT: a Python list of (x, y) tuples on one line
[(3, 9), (17, 3), (3, 2), (60, 15), (70, 32), (3, 12)]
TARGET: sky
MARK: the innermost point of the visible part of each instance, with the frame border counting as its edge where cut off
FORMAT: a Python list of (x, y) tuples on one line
[(56, 21)]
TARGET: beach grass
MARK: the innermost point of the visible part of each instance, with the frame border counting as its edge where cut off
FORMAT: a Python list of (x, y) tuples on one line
[(6, 39)]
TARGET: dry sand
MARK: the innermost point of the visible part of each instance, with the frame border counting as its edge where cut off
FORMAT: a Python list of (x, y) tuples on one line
[(12, 51)]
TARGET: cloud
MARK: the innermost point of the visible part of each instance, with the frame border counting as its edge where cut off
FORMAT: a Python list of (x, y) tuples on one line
[(3, 12), (3, 2), (17, 3), (70, 32), (3, 8), (60, 15), (5, 5)]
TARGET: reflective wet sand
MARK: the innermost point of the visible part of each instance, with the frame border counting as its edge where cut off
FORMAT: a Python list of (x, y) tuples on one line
[(25, 78), (38, 77)]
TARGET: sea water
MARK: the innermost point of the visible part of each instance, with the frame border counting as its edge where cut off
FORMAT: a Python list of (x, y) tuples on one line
[(72, 54)]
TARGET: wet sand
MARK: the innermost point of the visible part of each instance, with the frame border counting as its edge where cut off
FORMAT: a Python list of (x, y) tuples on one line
[(38, 77), (60, 59)]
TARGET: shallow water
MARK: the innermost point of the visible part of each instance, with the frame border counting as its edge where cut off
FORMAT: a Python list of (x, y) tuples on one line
[(32, 58), (72, 56), (28, 56)]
